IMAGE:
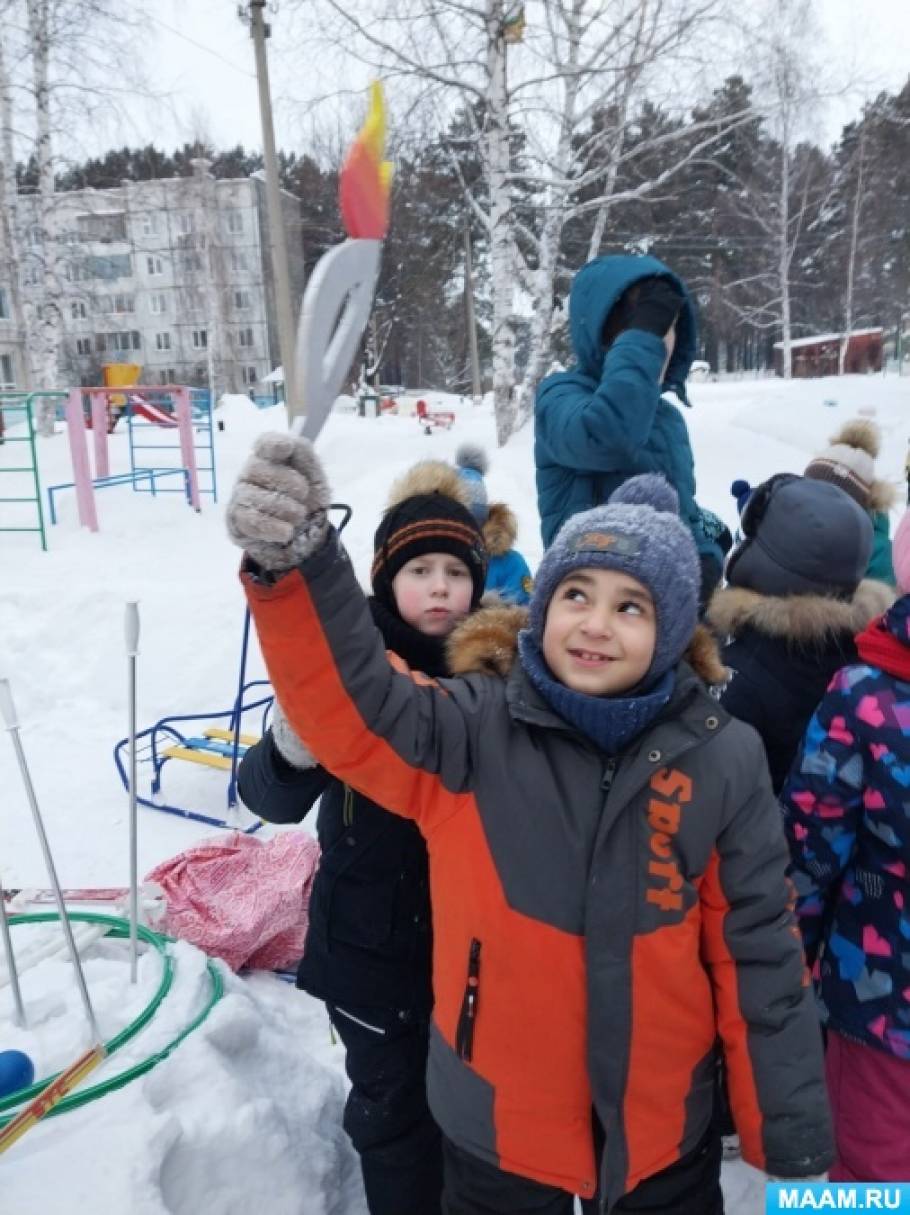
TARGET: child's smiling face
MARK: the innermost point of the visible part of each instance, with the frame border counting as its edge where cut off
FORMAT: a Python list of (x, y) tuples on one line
[(433, 593), (600, 632)]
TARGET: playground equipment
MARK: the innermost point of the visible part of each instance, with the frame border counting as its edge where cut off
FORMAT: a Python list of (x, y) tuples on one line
[(220, 745), (186, 412), (20, 404), (428, 418), (156, 423)]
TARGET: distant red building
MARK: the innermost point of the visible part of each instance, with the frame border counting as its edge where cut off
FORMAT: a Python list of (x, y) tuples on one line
[(820, 355)]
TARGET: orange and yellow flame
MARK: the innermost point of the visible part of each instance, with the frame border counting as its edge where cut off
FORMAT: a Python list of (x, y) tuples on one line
[(366, 179)]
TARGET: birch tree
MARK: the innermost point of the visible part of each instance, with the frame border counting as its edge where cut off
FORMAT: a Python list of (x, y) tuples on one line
[(533, 77), (64, 83)]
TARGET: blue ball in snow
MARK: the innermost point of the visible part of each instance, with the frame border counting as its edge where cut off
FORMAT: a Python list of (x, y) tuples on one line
[(16, 1071)]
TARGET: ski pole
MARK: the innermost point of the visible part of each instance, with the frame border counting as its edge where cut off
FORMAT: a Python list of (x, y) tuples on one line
[(131, 625), (11, 962), (46, 1100), (8, 713)]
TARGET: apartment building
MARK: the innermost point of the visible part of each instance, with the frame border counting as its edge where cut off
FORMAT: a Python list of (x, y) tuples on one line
[(172, 274)]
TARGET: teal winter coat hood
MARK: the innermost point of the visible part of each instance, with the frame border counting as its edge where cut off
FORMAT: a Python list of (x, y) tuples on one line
[(596, 289)]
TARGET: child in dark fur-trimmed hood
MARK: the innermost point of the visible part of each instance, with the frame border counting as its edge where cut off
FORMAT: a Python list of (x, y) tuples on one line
[(794, 599)]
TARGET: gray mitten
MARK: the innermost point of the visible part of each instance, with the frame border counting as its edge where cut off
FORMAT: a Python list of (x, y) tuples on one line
[(277, 511), (297, 754)]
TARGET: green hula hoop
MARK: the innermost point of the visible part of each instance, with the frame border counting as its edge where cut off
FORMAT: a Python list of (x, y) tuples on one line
[(120, 928)]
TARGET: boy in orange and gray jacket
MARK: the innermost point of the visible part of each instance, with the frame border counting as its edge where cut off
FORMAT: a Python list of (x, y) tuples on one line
[(607, 864)]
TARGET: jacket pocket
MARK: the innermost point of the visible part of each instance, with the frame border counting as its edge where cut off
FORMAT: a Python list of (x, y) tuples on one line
[(467, 1018)]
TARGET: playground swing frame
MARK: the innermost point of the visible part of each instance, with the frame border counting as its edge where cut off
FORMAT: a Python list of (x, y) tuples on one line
[(165, 741)]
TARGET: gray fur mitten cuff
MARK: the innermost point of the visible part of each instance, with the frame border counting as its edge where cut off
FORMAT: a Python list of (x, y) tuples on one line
[(277, 510), (290, 747)]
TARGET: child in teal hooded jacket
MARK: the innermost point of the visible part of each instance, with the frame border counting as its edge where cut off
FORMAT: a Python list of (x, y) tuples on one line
[(633, 332)]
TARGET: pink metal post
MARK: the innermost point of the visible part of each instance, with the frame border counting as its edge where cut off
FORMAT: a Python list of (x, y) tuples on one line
[(82, 473), (187, 451), (99, 432)]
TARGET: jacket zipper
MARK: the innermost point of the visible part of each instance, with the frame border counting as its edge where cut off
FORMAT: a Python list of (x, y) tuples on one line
[(464, 1033), (347, 809), (609, 773)]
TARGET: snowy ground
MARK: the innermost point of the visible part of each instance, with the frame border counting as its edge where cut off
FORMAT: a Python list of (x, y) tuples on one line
[(248, 1108)]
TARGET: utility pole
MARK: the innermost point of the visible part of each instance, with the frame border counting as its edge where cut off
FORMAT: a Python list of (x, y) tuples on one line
[(260, 30), (476, 387)]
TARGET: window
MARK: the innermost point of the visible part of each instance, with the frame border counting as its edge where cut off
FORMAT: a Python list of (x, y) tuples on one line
[(35, 235), (235, 221), (190, 262), (32, 274), (200, 339), (154, 266), (249, 375), (245, 337), (126, 340), (4, 305), (109, 226), (148, 224), (124, 303), (83, 346), (114, 265), (6, 371), (238, 261), (241, 300), (167, 375), (158, 303), (162, 341), (78, 310), (184, 223)]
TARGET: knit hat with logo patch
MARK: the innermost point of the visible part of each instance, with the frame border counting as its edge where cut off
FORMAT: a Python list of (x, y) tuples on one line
[(428, 512), (639, 532)]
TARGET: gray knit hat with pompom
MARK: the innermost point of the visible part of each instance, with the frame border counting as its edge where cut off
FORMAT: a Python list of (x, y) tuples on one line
[(638, 531)]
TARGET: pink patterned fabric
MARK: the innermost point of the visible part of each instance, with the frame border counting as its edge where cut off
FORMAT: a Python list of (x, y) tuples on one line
[(241, 899)]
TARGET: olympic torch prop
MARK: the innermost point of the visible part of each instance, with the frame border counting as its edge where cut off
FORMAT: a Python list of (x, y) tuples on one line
[(337, 301)]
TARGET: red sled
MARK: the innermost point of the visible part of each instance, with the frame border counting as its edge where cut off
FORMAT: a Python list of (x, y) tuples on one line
[(436, 417)]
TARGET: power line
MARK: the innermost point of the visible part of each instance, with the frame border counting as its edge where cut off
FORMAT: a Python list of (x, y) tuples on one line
[(201, 46)]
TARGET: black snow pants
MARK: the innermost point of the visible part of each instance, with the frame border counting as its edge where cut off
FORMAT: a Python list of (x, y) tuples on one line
[(386, 1115), (690, 1186)]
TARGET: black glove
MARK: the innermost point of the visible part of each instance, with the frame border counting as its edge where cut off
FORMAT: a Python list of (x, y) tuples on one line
[(656, 307)]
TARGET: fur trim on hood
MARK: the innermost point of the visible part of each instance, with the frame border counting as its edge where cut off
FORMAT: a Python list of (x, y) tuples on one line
[(798, 618), (429, 477), (500, 529), (487, 644)]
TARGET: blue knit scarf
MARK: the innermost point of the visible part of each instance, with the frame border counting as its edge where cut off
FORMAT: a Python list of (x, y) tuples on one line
[(609, 721)]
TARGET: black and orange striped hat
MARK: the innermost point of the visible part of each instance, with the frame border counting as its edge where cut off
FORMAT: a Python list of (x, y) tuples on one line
[(428, 512)]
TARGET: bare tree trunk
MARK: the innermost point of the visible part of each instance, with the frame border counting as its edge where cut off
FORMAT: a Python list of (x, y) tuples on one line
[(9, 199), (784, 254), (470, 318), (501, 240), (48, 330), (851, 260)]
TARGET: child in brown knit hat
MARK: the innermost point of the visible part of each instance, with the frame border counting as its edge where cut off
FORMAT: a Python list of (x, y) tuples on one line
[(849, 463)]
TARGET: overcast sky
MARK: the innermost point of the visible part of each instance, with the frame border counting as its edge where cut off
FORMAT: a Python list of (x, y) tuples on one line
[(200, 56)]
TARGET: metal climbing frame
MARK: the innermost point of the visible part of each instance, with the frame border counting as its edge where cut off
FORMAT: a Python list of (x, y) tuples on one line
[(20, 403), (148, 436)]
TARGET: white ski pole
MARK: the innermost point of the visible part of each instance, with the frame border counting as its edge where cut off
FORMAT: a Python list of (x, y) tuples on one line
[(11, 962), (131, 625), (8, 712)]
